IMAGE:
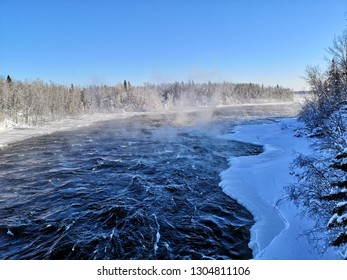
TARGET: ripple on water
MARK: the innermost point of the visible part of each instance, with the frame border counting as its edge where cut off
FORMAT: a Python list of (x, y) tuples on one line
[(107, 192)]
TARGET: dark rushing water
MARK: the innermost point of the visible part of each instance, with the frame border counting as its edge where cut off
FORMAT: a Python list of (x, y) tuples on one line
[(140, 188)]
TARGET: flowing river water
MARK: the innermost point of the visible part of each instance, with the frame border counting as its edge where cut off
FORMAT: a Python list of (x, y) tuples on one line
[(144, 187)]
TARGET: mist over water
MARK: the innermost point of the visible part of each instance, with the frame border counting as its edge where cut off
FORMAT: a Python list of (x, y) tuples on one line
[(145, 187)]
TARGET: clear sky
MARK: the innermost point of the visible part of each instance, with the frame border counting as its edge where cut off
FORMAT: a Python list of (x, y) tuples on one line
[(105, 41)]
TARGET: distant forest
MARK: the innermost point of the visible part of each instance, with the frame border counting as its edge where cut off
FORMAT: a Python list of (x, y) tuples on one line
[(37, 102)]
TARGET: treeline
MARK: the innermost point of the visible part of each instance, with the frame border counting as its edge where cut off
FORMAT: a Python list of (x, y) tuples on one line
[(321, 178), (37, 102)]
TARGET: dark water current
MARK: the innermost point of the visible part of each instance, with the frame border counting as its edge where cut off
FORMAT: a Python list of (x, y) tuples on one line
[(137, 188)]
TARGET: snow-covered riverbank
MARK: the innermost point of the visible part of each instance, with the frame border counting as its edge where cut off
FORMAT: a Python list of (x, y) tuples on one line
[(11, 132), (257, 182)]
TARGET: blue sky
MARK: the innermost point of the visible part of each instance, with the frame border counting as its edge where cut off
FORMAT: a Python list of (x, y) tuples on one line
[(104, 41)]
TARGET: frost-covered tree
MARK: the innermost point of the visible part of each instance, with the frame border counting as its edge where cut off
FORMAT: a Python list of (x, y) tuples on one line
[(320, 186), (36, 102), (338, 222)]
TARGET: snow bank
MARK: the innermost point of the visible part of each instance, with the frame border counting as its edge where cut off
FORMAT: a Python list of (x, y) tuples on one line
[(257, 183), (11, 132)]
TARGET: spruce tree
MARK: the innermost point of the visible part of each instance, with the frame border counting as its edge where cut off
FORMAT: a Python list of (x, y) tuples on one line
[(8, 79), (322, 191)]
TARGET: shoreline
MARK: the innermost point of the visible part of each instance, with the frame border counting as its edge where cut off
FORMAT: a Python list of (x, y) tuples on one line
[(257, 183), (15, 133)]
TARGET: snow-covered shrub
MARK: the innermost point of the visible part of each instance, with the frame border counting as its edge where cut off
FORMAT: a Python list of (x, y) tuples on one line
[(320, 185)]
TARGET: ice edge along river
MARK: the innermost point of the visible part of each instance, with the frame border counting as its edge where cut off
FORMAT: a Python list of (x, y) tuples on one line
[(257, 183)]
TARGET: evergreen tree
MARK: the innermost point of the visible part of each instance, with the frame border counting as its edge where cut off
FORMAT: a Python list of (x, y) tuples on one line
[(333, 81), (71, 88), (8, 79), (321, 179)]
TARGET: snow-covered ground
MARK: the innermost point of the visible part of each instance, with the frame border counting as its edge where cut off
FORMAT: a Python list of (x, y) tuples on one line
[(257, 183), (11, 132)]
